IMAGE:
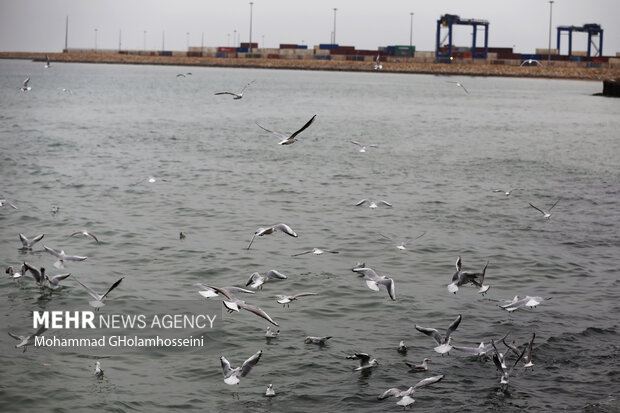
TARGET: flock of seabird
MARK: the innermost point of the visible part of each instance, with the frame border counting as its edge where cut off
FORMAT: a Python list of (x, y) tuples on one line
[(256, 281)]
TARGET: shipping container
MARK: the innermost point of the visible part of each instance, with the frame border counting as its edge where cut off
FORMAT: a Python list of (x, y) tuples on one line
[(322, 57), (165, 53), (302, 46), (288, 46), (249, 45), (242, 49), (328, 46), (194, 54), (226, 49)]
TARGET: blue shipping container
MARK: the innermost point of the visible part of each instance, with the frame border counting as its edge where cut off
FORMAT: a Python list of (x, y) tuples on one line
[(243, 49), (302, 46), (328, 46)]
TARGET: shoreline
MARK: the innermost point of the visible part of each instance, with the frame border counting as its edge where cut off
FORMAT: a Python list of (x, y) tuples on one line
[(483, 68)]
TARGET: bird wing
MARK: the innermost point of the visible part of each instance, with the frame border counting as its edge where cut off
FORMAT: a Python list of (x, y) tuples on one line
[(385, 203), (389, 284), (517, 360), (408, 240), (466, 91), (430, 332), (389, 393), (255, 276), (386, 237), (357, 143), (278, 134), (90, 234), (529, 348), (238, 290), (254, 309), (249, 363), (74, 258), (364, 358), (226, 370), (286, 229), (246, 86), (36, 273), (36, 239), (251, 241), (26, 82), (40, 331), (536, 208), (90, 291), (513, 348), (24, 240), (226, 93), (453, 326), (428, 381), (496, 360), (52, 251), (296, 296), (57, 278), (367, 272), (302, 253), (303, 127), (222, 291), (556, 202), (275, 274), (458, 263), (112, 287)]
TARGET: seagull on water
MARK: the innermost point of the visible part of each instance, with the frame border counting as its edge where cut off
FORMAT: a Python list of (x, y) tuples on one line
[(373, 280), (231, 376), (405, 395), (499, 363), (315, 251), (402, 348), (233, 303), (98, 370), (365, 361), (547, 213), (25, 87), (256, 280), (98, 302), (27, 244), (47, 62), (316, 340), (86, 234), (364, 147), (373, 204), (287, 140), (463, 277), (528, 301), (527, 357), (270, 392), (26, 341), (507, 193), (271, 334), (378, 65), (236, 95), (286, 300), (16, 275), (62, 257), (42, 278), (418, 367), (270, 230), (459, 84), (402, 245), (4, 202), (444, 345)]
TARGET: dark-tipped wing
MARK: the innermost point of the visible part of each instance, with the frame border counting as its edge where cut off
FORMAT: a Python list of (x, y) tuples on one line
[(249, 363), (226, 370), (52, 251), (275, 274), (286, 229), (36, 273), (303, 127), (259, 312), (536, 208), (255, 276), (112, 287), (278, 134), (428, 381), (556, 202), (388, 393), (367, 272), (430, 332), (453, 326)]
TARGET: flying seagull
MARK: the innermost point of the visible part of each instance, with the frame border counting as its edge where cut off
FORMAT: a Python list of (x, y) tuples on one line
[(547, 213), (365, 361), (502, 367), (286, 300), (62, 257), (315, 251), (233, 303), (402, 245), (270, 230), (235, 95), (528, 301), (444, 345), (458, 84), (25, 87), (4, 202), (363, 147), (378, 65), (373, 204), (373, 280), (231, 376), (507, 193), (27, 244), (256, 280), (527, 357), (26, 341), (287, 140), (463, 277), (405, 395), (47, 62), (86, 234), (98, 302)]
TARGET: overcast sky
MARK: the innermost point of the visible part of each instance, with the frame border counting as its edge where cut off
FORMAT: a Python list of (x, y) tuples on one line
[(39, 25)]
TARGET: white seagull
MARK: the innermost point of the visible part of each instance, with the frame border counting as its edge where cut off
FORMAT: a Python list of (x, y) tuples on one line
[(402, 347), (286, 300), (86, 234), (507, 193), (233, 303), (418, 367), (373, 280), (528, 301), (231, 376), (41, 277), (444, 345), (316, 340), (364, 147), (402, 245), (4, 202), (26, 341), (16, 275), (315, 251), (365, 361), (499, 363), (270, 230), (25, 87), (270, 392), (62, 257), (98, 302), (27, 244), (98, 370), (47, 62), (547, 213), (256, 280), (527, 357), (458, 84), (373, 204), (208, 292), (287, 140), (405, 395), (271, 334), (378, 65), (234, 95), (463, 277)]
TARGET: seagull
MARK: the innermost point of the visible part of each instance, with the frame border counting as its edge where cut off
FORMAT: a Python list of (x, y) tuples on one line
[(208, 292), (364, 147), (185, 74), (233, 303), (47, 62), (315, 251), (530, 62), (507, 193), (316, 340), (55, 209), (444, 342), (62, 257), (547, 213), (270, 230), (256, 280), (28, 244), (25, 87), (4, 202), (285, 300), (373, 204), (373, 280), (481, 350), (270, 392), (528, 301), (98, 370), (402, 348), (64, 89), (98, 303), (287, 140), (365, 361), (271, 334), (458, 84), (502, 367), (405, 395), (378, 65), (86, 234), (231, 376), (463, 277), (402, 246), (26, 341), (418, 367), (527, 357), (16, 275), (236, 95), (41, 277), (182, 235)]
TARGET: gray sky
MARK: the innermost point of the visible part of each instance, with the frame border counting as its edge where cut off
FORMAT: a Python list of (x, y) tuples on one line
[(39, 25)]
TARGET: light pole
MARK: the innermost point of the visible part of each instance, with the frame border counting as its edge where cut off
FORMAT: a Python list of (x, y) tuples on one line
[(163, 40), (228, 44), (251, 4), (335, 10), (96, 40), (144, 39), (411, 31), (549, 49)]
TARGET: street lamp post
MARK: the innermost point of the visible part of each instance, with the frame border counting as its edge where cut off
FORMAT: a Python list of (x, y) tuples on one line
[(335, 10), (96, 40), (411, 31), (144, 40), (235, 37), (549, 49), (251, 4)]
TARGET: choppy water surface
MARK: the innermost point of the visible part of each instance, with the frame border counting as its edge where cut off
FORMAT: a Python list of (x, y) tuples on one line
[(440, 154)]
